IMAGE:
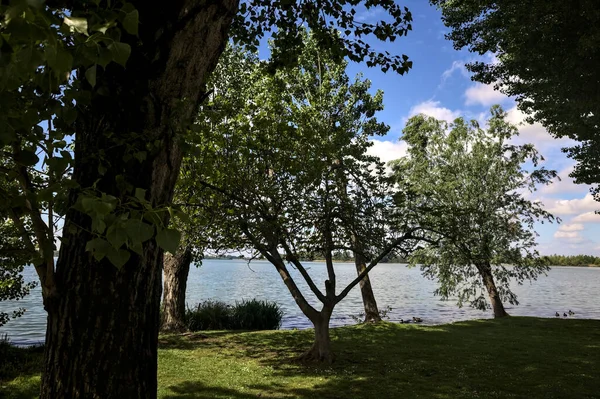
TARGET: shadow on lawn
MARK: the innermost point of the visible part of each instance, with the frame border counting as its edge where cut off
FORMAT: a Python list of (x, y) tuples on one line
[(22, 367), (516, 357)]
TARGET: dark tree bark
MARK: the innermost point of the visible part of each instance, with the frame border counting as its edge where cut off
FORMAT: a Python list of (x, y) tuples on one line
[(369, 302), (485, 270), (102, 332), (175, 274)]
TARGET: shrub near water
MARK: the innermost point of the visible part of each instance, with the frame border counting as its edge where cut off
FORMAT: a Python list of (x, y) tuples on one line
[(245, 315), (256, 315)]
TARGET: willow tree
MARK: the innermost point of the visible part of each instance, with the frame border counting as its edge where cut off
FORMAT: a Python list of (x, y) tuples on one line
[(121, 82), (290, 176), (465, 185)]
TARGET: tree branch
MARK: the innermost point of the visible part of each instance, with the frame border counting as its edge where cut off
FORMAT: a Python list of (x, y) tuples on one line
[(275, 259), (374, 262), (302, 271)]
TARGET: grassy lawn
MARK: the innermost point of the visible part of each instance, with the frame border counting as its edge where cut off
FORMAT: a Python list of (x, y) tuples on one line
[(513, 358)]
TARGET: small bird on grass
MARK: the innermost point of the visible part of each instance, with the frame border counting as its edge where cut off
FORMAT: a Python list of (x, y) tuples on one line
[(564, 314), (571, 313), (417, 320), (556, 314)]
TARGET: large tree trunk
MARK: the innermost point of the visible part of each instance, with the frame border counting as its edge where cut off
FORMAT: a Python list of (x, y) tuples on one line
[(485, 270), (175, 274), (321, 348), (102, 332), (371, 310)]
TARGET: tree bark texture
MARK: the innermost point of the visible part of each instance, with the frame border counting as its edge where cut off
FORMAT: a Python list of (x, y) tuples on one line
[(175, 274), (321, 347), (102, 330), (369, 302), (485, 270)]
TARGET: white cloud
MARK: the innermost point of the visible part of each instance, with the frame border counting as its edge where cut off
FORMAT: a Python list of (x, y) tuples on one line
[(456, 66), (560, 207), (567, 234), (571, 227), (565, 185), (432, 108), (587, 217), (485, 95), (530, 133), (387, 150)]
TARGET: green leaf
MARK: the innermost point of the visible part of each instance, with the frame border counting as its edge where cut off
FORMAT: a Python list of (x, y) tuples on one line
[(137, 248), (118, 257), (98, 247), (63, 61), (120, 52), (131, 21), (168, 239), (140, 194), (116, 235), (138, 231), (27, 158), (77, 24), (90, 75)]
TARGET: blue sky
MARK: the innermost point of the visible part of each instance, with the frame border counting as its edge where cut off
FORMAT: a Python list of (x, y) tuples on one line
[(440, 86)]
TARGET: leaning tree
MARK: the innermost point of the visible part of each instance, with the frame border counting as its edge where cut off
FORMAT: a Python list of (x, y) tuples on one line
[(121, 82), (465, 185), (290, 177)]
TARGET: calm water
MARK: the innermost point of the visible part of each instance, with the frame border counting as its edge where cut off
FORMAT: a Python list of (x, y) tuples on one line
[(395, 285)]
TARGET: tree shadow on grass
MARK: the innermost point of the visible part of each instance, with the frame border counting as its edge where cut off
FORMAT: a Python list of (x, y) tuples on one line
[(514, 357), (198, 390), (20, 370)]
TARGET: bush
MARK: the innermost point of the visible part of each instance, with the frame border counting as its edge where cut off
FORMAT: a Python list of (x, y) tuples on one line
[(245, 315), (14, 361), (209, 315), (256, 315)]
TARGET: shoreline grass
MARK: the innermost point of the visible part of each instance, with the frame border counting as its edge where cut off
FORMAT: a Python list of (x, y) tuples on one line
[(517, 357)]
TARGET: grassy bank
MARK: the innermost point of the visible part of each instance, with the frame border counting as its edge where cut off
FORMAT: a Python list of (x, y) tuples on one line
[(516, 357)]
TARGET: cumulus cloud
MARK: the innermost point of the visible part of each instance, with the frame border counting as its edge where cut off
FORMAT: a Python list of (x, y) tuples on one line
[(387, 150), (571, 227), (565, 185), (485, 95), (570, 232), (560, 207), (587, 217), (567, 234), (433, 108)]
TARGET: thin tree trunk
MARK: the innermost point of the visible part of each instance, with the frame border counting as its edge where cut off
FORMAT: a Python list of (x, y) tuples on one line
[(175, 274), (369, 302), (485, 271), (321, 347), (102, 329)]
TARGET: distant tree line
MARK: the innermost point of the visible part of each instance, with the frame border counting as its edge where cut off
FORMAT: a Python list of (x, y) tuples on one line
[(572, 260)]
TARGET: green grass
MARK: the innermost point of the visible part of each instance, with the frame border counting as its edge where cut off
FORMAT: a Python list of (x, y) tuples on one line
[(513, 358)]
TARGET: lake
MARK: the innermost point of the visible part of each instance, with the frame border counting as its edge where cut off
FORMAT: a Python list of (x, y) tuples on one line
[(401, 288)]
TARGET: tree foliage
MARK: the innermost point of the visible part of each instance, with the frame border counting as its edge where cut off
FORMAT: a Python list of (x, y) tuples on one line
[(547, 55), (100, 94), (289, 169), (572, 260), (466, 186)]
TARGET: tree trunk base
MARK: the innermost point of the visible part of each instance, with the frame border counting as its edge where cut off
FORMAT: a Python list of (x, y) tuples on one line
[(373, 319), (314, 355)]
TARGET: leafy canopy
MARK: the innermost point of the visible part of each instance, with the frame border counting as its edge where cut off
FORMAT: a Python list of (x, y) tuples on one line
[(547, 53), (287, 166), (58, 57), (466, 186)]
